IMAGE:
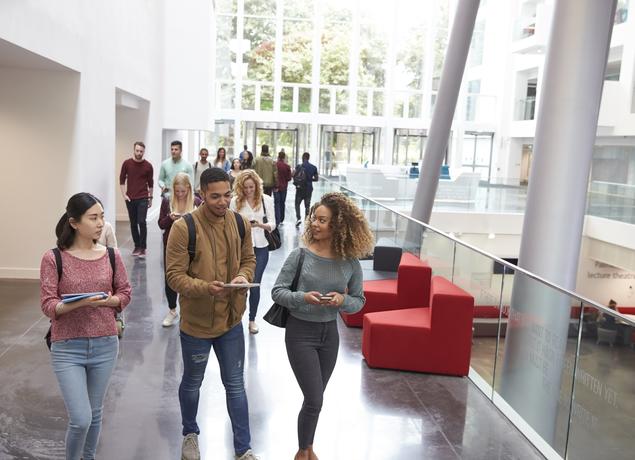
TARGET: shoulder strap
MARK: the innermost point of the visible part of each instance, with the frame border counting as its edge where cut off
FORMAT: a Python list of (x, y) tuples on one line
[(191, 235), (58, 262), (195, 166), (111, 257), (264, 209), (241, 225), (296, 278), (191, 232)]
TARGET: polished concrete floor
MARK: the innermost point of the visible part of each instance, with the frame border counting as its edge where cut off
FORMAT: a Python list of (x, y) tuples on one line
[(368, 413)]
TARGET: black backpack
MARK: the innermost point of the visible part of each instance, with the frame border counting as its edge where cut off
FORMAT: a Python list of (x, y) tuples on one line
[(58, 264), (191, 232), (299, 177)]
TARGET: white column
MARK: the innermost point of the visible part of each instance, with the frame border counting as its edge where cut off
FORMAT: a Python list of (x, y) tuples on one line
[(453, 67), (554, 216)]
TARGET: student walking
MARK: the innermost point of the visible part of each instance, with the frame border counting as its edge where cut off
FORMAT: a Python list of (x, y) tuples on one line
[(250, 201), (84, 342), (330, 281), (280, 192), (303, 177)]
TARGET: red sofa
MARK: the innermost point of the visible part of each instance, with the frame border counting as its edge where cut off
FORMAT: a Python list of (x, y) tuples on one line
[(410, 289), (437, 339)]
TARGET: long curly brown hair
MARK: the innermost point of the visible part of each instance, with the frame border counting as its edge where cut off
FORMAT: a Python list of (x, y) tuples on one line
[(239, 188), (352, 238)]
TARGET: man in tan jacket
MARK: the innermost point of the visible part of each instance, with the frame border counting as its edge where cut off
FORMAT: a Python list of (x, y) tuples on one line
[(210, 312), (267, 170)]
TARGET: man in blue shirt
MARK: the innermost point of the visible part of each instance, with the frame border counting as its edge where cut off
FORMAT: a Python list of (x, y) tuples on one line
[(303, 177)]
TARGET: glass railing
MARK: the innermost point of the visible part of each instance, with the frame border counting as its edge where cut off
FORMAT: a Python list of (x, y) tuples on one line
[(612, 201), (558, 365)]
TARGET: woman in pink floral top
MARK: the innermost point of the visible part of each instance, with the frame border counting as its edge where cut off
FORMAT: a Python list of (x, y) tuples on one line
[(83, 333)]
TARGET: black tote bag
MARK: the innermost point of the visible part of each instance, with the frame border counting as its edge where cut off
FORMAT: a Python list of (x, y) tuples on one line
[(277, 314)]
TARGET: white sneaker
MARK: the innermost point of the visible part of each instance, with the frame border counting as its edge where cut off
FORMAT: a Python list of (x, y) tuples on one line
[(171, 318), (253, 327), (249, 455), (190, 450)]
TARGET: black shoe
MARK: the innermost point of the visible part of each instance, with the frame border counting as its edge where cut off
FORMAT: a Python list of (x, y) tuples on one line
[(298, 222)]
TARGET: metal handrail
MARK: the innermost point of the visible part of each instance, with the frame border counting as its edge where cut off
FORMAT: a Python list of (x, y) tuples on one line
[(581, 298)]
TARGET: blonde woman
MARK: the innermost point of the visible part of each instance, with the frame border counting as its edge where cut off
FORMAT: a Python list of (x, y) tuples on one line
[(330, 281), (182, 201), (248, 200)]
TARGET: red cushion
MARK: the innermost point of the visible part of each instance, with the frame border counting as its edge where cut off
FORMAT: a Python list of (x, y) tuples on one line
[(410, 289), (486, 311), (436, 339), (626, 310)]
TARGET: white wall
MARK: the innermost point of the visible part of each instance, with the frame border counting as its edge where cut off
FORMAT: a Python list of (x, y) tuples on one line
[(37, 125), (189, 80), (118, 44)]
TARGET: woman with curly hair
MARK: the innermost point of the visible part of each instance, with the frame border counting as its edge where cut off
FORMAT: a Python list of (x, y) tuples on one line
[(330, 281), (250, 202)]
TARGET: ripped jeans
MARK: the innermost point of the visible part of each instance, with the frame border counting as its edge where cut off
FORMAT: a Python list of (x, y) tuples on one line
[(230, 352)]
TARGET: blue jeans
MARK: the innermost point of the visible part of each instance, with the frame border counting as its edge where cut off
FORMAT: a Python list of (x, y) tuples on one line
[(279, 199), (262, 258), (83, 367), (230, 352)]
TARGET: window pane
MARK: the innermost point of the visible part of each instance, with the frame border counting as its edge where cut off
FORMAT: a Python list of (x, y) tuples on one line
[(325, 100), (298, 9), (341, 102), (304, 104), (262, 35), (440, 44), (410, 55), (297, 59), (286, 99), (226, 6), (226, 31), (372, 53), (266, 98), (378, 104), (483, 147), (362, 103), (414, 105), (227, 96), (260, 7), (249, 97), (334, 54)]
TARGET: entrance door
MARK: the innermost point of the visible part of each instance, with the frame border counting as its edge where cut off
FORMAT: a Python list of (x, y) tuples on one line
[(342, 145), (278, 139), (477, 153)]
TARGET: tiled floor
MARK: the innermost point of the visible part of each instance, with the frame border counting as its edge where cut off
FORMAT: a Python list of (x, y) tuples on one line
[(368, 413)]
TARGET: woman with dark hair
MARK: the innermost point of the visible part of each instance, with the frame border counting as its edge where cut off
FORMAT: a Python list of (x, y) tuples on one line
[(330, 281), (248, 161), (235, 170), (221, 160), (83, 333)]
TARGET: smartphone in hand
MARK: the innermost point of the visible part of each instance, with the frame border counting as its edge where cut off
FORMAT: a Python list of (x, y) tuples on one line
[(326, 298)]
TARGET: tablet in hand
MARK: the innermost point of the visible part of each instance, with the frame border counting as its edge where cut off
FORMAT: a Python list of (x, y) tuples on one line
[(240, 285), (68, 298)]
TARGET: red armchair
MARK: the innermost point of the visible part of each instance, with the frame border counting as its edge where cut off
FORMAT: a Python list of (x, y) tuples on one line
[(410, 289), (437, 340)]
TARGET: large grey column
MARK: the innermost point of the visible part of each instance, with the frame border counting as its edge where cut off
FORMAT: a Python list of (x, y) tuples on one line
[(451, 77), (554, 216)]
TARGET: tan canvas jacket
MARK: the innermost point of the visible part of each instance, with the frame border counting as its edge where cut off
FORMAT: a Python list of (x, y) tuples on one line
[(266, 168), (204, 315)]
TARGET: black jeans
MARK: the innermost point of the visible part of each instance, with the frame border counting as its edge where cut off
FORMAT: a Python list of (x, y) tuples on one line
[(279, 199), (170, 293), (302, 195), (137, 212), (312, 350)]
